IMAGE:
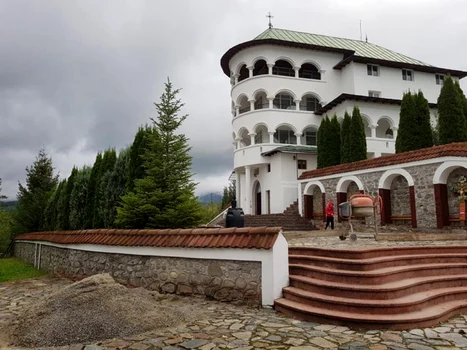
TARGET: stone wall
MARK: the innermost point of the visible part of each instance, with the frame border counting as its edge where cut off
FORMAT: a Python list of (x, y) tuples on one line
[(223, 280), (400, 196), (453, 198), (317, 201)]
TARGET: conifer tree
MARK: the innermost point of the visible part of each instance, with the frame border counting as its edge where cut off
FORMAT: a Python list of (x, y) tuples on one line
[(228, 195), (451, 117), (322, 143), (164, 198), (334, 142), (91, 191), (108, 161), (65, 218), (345, 134), (357, 138), (61, 205), (78, 199), (33, 198), (463, 102), (407, 135), (423, 121), (1, 195)]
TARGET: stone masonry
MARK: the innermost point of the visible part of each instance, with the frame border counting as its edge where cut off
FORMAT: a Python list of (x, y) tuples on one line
[(222, 280)]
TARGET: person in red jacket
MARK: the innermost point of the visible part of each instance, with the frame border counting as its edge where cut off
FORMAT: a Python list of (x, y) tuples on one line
[(330, 215)]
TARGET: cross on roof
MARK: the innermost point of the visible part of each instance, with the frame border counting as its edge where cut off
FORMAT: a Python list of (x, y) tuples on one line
[(270, 17)]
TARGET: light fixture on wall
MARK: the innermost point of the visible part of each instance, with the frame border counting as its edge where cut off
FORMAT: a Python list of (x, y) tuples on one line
[(294, 157)]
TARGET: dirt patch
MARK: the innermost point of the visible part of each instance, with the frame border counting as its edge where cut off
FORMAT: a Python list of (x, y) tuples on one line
[(97, 308)]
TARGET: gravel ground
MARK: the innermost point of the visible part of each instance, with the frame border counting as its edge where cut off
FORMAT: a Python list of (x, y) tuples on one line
[(97, 308)]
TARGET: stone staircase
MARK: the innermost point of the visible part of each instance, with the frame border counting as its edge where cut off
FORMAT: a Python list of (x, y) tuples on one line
[(376, 288), (289, 220)]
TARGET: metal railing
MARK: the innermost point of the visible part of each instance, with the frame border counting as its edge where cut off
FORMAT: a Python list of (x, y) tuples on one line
[(284, 71), (309, 74)]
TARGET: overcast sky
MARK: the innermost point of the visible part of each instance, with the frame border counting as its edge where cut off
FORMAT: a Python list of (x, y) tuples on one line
[(81, 76)]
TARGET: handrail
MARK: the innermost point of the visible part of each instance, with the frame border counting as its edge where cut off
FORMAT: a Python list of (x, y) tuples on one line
[(218, 216)]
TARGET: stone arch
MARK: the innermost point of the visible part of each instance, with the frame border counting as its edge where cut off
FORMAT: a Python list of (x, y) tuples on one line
[(260, 66), (256, 197), (284, 66), (243, 104), (367, 123), (385, 128), (309, 70), (287, 91), (262, 133), (285, 58), (314, 200), (345, 181), (445, 200), (310, 101), (261, 99), (284, 99), (314, 63), (239, 67), (386, 179), (286, 134), (244, 137)]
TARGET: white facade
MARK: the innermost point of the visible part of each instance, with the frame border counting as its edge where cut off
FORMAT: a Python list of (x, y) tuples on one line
[(258, 113)]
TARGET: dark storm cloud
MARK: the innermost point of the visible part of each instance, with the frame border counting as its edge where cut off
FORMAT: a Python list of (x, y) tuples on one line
[(80, 76)]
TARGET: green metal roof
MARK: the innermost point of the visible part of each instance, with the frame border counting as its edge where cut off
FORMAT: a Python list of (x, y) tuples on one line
[(360, 48), (291, 149)]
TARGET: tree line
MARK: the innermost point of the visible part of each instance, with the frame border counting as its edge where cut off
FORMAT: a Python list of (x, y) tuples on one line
[(146, 185)]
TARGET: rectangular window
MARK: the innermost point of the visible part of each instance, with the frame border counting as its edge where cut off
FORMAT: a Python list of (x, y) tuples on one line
[(285, 136), (310, 138), (407, 75), (374, 93), (301, 164), (269, 167), (372, 70), (439, 79)]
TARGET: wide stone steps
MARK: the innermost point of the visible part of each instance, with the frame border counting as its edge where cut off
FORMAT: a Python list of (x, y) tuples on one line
[(392, 287)]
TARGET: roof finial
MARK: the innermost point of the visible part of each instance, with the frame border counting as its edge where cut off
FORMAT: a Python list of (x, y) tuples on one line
[(270, 17), (366, 37)]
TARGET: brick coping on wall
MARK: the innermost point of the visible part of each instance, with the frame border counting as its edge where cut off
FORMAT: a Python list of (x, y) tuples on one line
[(458, 149), (245, 237)]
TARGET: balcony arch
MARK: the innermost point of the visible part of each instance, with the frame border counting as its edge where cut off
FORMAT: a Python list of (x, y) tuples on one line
[(261, 99), (243, 104), (285, 134), (310, 135), (309, 70), (244, 137), (234, 140), (310, 102), (367, 123), (284, 99), (262, 133), (243, 73), (284, 67), (260, 66), (385, 128)]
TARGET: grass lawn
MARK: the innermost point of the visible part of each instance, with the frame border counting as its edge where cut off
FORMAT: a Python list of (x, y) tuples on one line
[(12, 269)]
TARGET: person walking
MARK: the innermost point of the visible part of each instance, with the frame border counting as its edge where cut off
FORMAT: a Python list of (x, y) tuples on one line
[(330, 215)]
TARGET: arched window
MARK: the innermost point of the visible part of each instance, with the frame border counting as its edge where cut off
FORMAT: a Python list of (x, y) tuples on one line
[(245, 138), (285, 134), (244, 105), (309, 137), (244, 73), (284, 101), (309, 103), (384, 130), (309, 71), (262, 135), (283, 68), (261, 100), (261, 68)]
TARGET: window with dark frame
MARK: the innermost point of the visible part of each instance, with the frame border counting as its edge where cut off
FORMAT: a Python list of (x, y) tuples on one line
[(372, 70), (374, 93), (269, 167), (407, 74), (301, 163), (439, 79)]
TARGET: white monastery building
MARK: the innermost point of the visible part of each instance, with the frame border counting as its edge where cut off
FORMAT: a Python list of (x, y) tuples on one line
[(284, 82)]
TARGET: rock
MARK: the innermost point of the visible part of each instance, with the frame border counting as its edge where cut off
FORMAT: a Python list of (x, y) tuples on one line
[(195, 343), (168, 288), (214, 270)]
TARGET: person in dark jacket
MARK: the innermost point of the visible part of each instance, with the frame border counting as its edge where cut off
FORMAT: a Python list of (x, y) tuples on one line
[(330, 215)]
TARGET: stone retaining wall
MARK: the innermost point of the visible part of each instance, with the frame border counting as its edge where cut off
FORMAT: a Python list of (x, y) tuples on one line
[(224, 280)]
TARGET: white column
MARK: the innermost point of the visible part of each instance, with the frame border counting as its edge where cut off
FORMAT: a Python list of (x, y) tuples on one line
[(297, 104), (299, 138), (236, 76), (252, 104), (237, 111), (271, 136), (270, 65), (394, 129), (238, 196), (250, 69), (373, 130), (238, 139), (271, 102), (296, 69), (252, 136), (300, 199), (247, 191)]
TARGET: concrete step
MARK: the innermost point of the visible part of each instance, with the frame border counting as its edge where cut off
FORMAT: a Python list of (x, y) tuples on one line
[(376, 262), (407, 320)]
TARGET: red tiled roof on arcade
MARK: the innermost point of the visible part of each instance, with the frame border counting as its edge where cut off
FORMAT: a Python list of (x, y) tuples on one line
[(245, 237), (458, 149)]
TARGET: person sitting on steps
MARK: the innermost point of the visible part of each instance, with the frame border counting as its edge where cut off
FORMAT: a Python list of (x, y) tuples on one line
[(330, 215)]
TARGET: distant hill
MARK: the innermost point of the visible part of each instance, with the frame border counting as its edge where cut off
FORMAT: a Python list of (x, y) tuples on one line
[(208, 197), (8, 205)]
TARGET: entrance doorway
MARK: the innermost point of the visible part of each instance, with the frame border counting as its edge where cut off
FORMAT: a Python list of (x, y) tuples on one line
[(257, 197)]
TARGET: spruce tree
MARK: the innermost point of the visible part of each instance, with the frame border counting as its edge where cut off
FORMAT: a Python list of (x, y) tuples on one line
[(323, 142), (164, 198), (345, 134), (408, 133), (423, 121), (334, 142), (228, 195), (108, 161), (357, 138), (65, 218), (61, 205), (91, 191), (78, 199), (34, 197), (464, 104), (451, 118)]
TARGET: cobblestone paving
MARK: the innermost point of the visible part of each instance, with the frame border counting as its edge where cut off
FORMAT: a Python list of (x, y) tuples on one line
[(228, 326)]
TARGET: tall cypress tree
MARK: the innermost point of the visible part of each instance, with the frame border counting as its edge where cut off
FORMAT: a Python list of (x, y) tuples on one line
[(78, 199), (463, 102), (323, 142), (451, 117), (34, 197), (357, 139), (345, 138), (61, 204), (108, 161), (65, 223), (91, 191), (423, 121), (334, 142), (164, 197), (408, 133)]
